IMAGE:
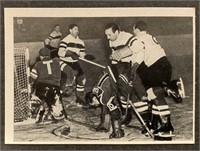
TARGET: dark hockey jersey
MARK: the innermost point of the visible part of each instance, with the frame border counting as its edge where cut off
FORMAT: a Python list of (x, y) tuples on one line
[(49, 71)]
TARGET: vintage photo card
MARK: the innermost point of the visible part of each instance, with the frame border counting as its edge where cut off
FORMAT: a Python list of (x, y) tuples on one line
[(101, 76)]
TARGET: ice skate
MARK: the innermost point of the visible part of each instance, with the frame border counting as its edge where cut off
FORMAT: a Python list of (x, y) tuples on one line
[(105, 125), (118, 132), (165, 132)]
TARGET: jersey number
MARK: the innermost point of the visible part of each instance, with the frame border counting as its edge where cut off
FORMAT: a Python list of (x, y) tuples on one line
[(48, 66)]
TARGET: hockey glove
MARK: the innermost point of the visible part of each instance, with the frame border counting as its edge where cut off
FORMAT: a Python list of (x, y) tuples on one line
[(119, 54), (115, 56), (134, 71), (72, 54), (89, 57)]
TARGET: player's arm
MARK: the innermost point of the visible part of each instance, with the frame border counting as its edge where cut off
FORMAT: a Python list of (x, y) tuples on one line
[(47, 40), (33, 76), (138, 49), (82, 51), (62, 49), (64, 52), (124, 52), (34, 73), (121, 53), (136, 46)]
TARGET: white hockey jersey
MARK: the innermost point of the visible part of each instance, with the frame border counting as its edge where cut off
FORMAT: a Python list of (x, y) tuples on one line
[(153, 50), (73, 44), (127, 39)]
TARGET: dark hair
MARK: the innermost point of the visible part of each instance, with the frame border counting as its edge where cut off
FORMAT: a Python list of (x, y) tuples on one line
[(141, 25), (44, 52), (56, 25), (71, 26), (113, 26)]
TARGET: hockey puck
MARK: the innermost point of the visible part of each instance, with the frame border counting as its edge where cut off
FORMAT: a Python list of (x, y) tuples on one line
[(65, 131)]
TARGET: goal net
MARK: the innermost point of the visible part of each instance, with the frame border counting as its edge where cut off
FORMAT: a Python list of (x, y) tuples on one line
[(21, 84)]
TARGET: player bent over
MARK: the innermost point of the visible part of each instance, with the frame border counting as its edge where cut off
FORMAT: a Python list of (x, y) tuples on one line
[(47, 74)]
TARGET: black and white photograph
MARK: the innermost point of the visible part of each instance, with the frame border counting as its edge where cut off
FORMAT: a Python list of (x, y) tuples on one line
[(114, 75)]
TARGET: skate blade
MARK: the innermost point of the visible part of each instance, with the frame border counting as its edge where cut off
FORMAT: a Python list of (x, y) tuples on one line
[(164, 135)]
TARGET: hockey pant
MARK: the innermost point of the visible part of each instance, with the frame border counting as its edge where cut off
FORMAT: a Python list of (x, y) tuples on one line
[(50, 101)]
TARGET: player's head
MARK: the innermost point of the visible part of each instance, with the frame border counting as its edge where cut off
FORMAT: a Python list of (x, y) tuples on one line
[(112, 31), (57, 28), (138, 27), (73, 29), (44, 53)]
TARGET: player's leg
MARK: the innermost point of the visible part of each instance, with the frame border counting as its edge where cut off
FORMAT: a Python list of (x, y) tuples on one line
[(114, 109), (40, 114), (41, 93), (124, 89), (55, 103), (138, 96), (105, 120), (80, 84), (175, 89), (103, 92), (67, 81), (160, 111)]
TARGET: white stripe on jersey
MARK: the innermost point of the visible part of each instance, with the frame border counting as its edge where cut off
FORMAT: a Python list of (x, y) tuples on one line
[(34, 75), (73, 44), (62, 66)]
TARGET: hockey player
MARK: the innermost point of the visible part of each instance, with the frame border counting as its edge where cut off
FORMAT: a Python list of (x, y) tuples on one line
[(125, 48), (53, 41), (70, 49), (47, 74), (102, 93), (155, 72)]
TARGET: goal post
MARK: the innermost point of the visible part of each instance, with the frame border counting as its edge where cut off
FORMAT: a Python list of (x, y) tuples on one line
[(21, 84)]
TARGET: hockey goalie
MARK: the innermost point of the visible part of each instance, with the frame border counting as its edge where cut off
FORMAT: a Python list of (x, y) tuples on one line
[(47, 74)]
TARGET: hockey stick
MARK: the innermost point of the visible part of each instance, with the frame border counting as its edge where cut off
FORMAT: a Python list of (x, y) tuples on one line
[(139, 116), (91, 62), (101, 66), (111, 73)]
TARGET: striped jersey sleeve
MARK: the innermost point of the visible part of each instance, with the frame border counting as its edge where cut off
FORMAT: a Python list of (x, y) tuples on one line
[(63, 44), (55, 35), (34, 72), (65, 68)]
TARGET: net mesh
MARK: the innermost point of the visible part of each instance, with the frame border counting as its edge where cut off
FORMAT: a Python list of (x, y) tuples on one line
[(21, 85)]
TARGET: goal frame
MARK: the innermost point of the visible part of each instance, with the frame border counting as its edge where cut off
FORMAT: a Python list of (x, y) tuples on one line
[(25, 115)]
